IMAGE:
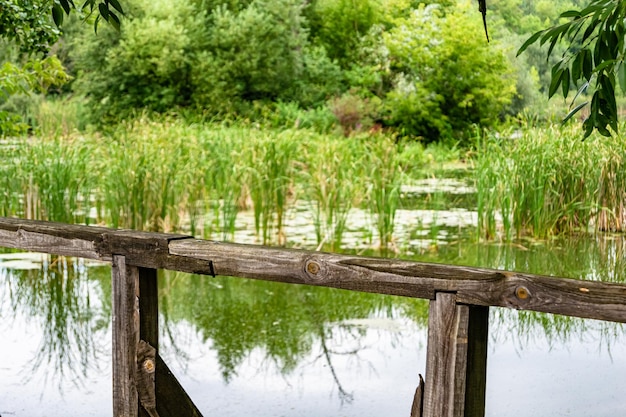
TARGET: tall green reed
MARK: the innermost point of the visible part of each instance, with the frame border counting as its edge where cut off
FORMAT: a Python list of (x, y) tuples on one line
[(548, 182), (270, 174), (54, 180), (332, 168), (383, 178)]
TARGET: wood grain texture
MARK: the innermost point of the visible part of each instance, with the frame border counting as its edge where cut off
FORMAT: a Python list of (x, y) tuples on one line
[(476, 372), (125, 329), (444, 388), (149, 340), (173, 401), (473, 286), (417, 408)]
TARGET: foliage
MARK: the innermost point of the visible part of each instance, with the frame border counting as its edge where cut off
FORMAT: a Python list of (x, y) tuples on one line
[(545, 183), (28, 22), (145, 65), (338, 25), (593, 62), (447, 76), (33, 75)]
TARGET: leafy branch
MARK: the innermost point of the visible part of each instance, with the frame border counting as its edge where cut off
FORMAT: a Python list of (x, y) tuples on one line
[(593, 61)]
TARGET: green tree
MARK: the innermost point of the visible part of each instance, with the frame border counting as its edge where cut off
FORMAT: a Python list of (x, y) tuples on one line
[(446, 76), (593, 61)]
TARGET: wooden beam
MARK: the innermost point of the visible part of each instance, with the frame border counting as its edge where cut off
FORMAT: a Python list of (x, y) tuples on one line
[(473, 286), (173, 401), (476, 372), (125, 329), (456, 359), (149, 341)]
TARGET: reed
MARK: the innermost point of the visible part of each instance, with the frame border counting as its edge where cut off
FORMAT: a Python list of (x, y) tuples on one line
[(270, 171), (549, 182), (383, 179), (332, 168), (53, 180), (173, 176)]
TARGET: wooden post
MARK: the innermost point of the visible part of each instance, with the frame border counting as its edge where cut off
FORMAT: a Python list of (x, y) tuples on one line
[(125, 283), (149, 341), (456, 359)]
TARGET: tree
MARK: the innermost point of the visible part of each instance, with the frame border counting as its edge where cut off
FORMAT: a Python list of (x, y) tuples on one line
[(28, 24), (593, 61)]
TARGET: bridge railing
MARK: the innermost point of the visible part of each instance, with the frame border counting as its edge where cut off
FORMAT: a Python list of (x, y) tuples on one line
[(460, 297)]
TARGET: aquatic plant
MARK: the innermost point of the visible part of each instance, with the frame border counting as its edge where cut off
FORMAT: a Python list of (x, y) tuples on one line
[(548, 181)]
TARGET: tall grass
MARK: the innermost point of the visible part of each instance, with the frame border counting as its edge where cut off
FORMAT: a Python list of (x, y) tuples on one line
[(333, 167), (173, 176), (383, 187), (548, 182), (270, 181)]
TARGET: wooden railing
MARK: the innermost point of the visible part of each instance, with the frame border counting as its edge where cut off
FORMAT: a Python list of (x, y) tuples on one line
[(455, 377)]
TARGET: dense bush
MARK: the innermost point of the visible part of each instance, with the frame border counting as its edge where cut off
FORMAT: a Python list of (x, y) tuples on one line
[(425, 71), (446, 76)]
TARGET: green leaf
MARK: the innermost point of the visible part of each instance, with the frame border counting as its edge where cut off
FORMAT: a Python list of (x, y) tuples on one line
[(104, 11), (95, 24), (114, 20), (66, 6), (555, 80), (529, 42), (574, 111), (117, 6), (621, 76), (570, 13), (587, 65), (565, 82), (604, 65), (577, 66), (57, 14)]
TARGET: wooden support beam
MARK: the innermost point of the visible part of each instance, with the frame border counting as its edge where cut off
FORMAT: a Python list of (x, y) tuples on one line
[(456, 359), (125, 328), (473, 286), (149, 341)]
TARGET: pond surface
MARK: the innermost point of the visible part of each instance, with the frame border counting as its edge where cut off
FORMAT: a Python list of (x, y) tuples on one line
[(243, 347)]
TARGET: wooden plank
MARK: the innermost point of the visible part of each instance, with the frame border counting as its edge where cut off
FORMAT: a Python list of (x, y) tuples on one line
[(149, 341), (456, 359), (149, 307), (474, 286), (444, 388), (476, 373), (125, 329), (417, 408), (173, 401)]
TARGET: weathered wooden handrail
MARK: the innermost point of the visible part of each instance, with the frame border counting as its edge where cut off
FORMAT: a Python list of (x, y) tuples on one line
[(472, 286), (458, 316)]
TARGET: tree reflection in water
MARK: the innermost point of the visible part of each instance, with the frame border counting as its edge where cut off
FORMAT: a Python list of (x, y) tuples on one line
[(69, 301), (70, 304)]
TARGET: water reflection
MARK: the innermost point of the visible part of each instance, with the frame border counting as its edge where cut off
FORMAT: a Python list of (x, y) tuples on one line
[(67, 301), (223, 332)]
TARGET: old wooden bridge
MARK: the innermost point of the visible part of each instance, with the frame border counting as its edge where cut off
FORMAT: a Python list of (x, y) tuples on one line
[(460, 297)]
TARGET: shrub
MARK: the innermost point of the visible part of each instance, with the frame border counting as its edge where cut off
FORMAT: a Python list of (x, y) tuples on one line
[(448, 77)]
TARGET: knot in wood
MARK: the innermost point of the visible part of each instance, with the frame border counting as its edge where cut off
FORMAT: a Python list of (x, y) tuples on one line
[(312, 267), (148, 365), (522, 293)]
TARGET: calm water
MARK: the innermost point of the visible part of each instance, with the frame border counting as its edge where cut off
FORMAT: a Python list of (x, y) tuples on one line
[(243, 347)]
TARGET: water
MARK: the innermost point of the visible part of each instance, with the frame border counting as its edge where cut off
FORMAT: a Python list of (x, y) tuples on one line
[(242, 347)]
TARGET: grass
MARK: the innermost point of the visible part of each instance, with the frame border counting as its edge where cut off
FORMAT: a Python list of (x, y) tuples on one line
[(548, 182), (173, 176)]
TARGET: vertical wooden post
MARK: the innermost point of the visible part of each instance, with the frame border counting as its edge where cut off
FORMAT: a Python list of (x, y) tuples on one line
[(149, 307), (477, 342), (125, 283), (456, 359)]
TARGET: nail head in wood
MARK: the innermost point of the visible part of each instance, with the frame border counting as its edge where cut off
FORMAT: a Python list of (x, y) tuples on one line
[(522, 293)]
